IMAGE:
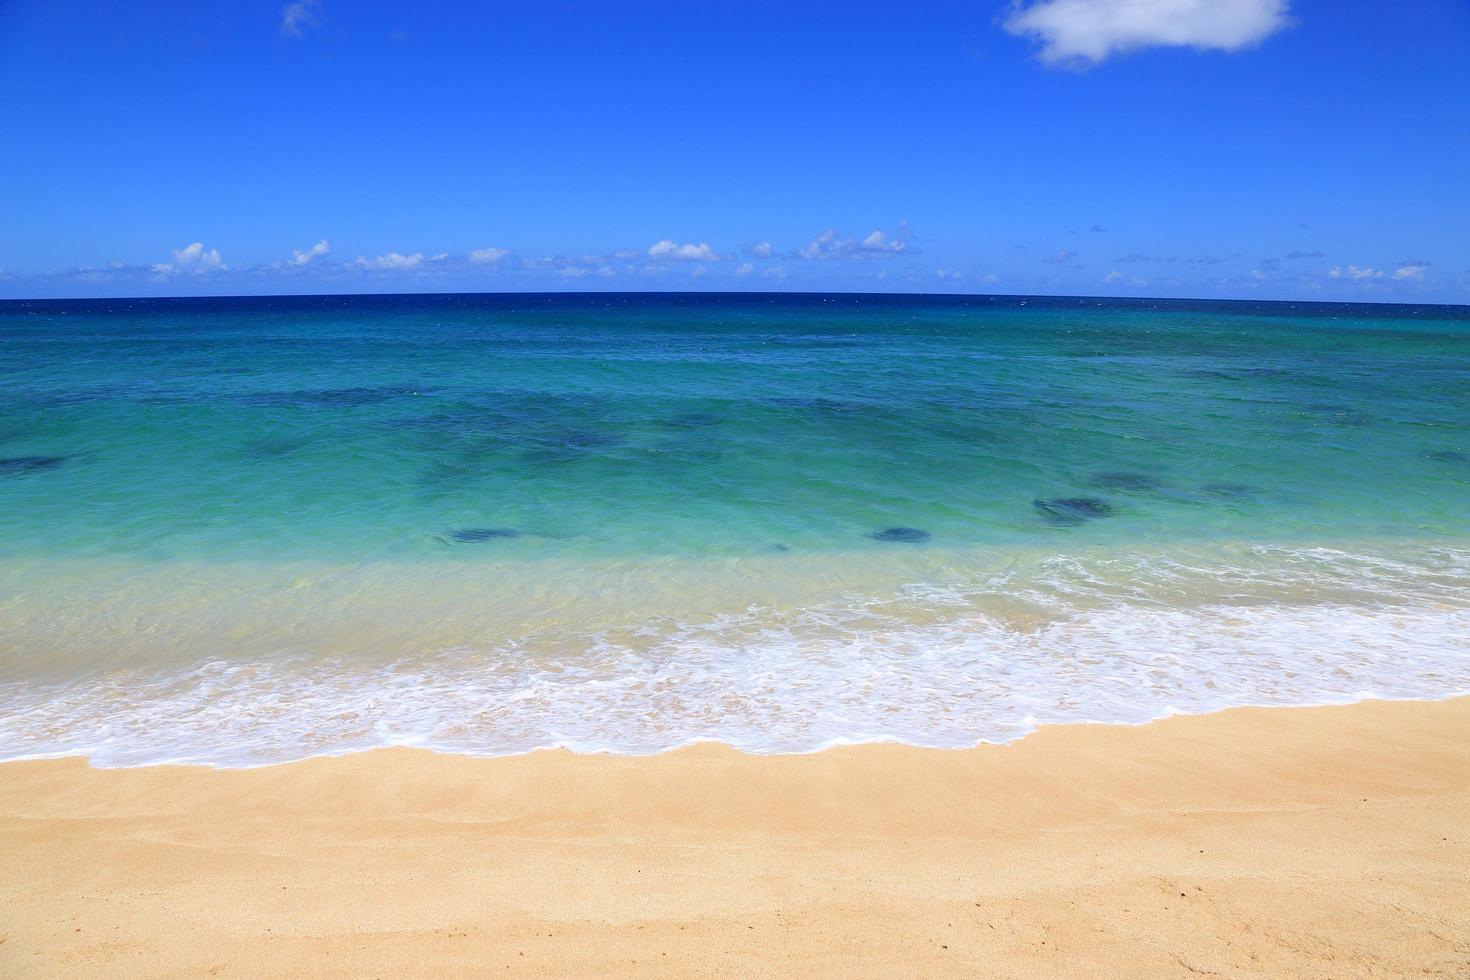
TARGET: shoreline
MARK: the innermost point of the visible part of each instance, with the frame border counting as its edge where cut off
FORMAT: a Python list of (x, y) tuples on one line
[(710, 742), (1251, 841)]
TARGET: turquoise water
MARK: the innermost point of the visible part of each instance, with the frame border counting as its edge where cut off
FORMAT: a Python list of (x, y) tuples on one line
[(240, 530)]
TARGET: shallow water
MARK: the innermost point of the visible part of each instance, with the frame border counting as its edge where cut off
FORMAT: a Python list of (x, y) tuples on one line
[(240, 531)]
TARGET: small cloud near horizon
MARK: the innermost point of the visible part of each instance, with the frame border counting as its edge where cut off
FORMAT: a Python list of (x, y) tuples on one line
[(300, 257), (192, 259), (391, 262), (488, 256), (568, 267), (669, 249), (876, 245), (1355, 273)]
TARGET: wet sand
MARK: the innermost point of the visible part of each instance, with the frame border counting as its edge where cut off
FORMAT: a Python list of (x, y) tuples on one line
[(1318, 842)]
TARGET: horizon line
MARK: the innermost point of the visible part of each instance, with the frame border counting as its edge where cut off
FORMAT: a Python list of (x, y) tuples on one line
[(717, 292)]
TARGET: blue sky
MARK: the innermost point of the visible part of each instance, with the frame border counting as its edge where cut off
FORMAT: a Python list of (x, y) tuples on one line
[(1220, 148)]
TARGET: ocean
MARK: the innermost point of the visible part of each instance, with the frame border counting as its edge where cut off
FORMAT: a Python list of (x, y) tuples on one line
[(243, 531)]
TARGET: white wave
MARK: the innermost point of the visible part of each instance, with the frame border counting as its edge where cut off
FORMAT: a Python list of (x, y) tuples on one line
[(760, 681)]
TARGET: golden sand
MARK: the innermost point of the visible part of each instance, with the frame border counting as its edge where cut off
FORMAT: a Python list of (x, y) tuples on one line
[(1322, 842)]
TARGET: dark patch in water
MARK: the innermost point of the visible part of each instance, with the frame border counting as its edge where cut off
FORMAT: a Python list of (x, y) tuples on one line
[(332, 397), (471, 535), (807, 340), (553, 454), (680, 455), (693, 420), (457, 423), (781, 547), (1228, 490), (1342, 415), (1072, 510), (586, 439), (1236, 373), (138, 392), (908, 535), (1265, 372), (1445, 456), (19, 465), (569, 446), (824, 406), (1125, 481)]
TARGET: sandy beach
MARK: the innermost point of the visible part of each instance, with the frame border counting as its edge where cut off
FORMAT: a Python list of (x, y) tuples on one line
[(1321, 842)]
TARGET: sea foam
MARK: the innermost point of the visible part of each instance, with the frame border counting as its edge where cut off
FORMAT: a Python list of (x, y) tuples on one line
[(946, 664)]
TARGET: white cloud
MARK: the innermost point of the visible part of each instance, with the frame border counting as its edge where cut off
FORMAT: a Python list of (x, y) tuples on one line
[(298, 257), (392, 262), (1355, 273), (667, 249), (192, 259), (488, 256), (297, 17), (569, 267), (1412, 269), (582, 271), (1113, 276), (744, 269), (1089, 31), (830, 245), (1062, 256), (761, 250)]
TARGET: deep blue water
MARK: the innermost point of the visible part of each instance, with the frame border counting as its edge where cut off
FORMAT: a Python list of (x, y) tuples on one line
[(694, 424)]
